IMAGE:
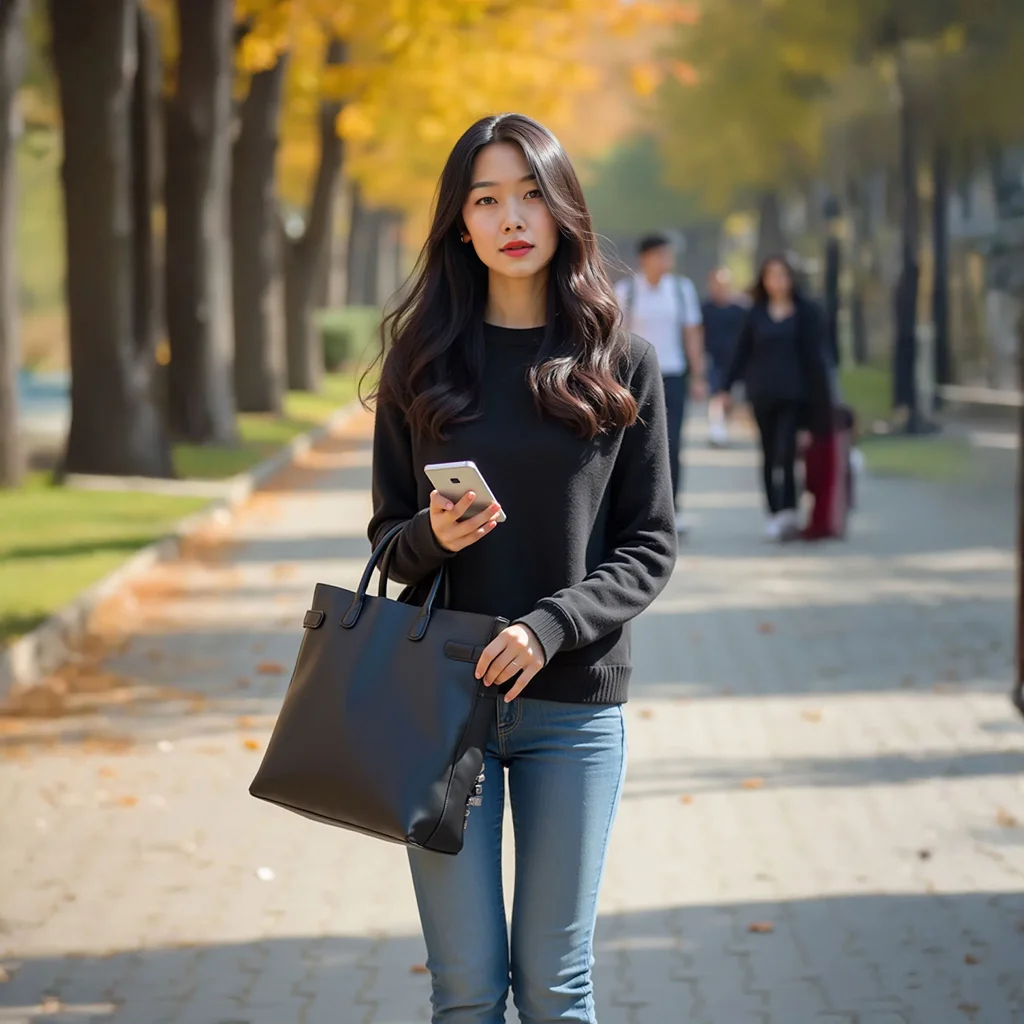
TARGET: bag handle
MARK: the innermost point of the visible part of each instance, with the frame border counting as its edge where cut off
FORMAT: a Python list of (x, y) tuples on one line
[(384, 550), (385, 576)]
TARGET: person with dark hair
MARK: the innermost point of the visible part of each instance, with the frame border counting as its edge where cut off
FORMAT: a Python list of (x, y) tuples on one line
[(724, 315), (507, 350), (663, 308), (780, 357)]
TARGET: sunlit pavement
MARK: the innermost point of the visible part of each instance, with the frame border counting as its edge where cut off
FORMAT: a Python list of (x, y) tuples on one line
[(824, 818)]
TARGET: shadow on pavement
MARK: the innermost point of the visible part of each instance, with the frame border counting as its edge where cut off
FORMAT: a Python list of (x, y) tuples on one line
[(912, 959)]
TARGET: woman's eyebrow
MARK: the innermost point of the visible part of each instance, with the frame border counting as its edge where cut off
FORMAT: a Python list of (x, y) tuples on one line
[(495, 184)]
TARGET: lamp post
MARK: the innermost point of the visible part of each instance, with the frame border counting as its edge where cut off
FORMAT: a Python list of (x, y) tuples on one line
[(832, 214)]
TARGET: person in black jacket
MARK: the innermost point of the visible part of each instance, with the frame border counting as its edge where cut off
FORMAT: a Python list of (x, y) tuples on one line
[(780, 357), (508, 350)]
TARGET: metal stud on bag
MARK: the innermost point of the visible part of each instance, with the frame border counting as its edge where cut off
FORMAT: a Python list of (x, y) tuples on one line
[(475, 798)]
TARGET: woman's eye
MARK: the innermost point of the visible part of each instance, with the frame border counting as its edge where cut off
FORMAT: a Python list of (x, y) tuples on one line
[(486, 201), (534, 193)]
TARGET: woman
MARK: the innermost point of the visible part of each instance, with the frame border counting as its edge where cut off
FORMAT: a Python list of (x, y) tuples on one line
[(780, 357), (508, 351)]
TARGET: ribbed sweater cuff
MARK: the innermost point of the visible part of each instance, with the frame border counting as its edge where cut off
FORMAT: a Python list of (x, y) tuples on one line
[(550, 627), (423, 541)]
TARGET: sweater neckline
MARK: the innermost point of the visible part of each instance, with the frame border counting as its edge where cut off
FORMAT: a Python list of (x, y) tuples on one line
[(513, 335)]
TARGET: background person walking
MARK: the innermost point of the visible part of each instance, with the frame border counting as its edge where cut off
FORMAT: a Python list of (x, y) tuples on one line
[(664, 309), (781, 359), (724, 313)]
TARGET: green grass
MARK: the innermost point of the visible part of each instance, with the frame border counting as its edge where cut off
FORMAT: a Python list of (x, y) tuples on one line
[(868, 389), (261, 435), (936, 459), (56, 541)]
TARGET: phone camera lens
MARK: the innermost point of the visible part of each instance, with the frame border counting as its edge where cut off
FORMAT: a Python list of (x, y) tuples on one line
[(456, 480)]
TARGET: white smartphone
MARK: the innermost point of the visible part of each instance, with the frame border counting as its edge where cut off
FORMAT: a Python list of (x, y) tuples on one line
[(453, 479)]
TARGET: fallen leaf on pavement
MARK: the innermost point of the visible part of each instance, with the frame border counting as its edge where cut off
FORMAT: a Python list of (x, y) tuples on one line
[(924, 854), (968, 1007), (250, 744), (761, 928), (107, 773), (244, 722), (754, 783), (285, 571), (419, 969), (126, 801), (270, 668), (242, 683), (765, 627), (971, 959), (811, 716), (646, 713), (1004, 819), (686, 799), (4, 976)]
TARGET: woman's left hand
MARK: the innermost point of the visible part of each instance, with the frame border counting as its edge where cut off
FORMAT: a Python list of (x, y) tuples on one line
[(513, 650)]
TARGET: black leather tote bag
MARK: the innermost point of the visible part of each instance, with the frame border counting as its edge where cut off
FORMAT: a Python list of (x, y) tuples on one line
[(383, 727)]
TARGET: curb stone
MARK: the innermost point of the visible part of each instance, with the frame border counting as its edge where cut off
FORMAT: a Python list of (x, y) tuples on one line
[(27, 661)]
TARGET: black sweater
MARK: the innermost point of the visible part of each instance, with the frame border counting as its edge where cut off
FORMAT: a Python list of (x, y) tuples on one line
[(589, 540), (784, 362)]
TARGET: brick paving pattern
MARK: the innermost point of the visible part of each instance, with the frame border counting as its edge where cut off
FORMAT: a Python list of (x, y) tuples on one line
[(823, 822)]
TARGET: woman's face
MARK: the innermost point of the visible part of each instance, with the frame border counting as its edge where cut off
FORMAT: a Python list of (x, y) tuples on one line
[(507, 219), (777, 282)]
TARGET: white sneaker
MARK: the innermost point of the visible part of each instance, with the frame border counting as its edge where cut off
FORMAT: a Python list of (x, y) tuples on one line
[(718, 434), (789, 524), (773, 527)]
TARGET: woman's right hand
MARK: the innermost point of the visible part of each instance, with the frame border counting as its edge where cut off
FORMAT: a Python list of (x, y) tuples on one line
[(450, 533)]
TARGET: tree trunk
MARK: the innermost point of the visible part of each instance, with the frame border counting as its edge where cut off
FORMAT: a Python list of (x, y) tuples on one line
[(905, 299), (147, 186), (362, 263), (115, 424), (304, 256), (857, 198), (258, 287), (201, 396), (11, 50), (389, 276), (771, 241), (940, 288), (1018, 688)]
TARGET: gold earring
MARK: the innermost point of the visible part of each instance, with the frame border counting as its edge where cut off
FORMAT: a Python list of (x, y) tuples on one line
[(464, 236)]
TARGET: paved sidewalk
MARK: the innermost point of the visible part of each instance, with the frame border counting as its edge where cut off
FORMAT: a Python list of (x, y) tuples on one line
[(824, 818)]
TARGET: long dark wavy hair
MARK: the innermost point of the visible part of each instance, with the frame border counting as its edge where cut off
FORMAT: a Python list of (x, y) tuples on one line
[(758, 292), (432, 351)]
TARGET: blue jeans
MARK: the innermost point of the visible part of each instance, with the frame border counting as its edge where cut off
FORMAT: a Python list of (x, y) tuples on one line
[(566, 764)]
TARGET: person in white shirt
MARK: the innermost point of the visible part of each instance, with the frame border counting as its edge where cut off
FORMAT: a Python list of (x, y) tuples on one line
[(664, 309)]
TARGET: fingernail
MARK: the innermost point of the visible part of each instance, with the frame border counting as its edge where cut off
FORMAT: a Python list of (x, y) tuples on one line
[(449, 507)]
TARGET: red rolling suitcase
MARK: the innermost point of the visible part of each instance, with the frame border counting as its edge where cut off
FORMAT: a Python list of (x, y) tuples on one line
[(828, 479)]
